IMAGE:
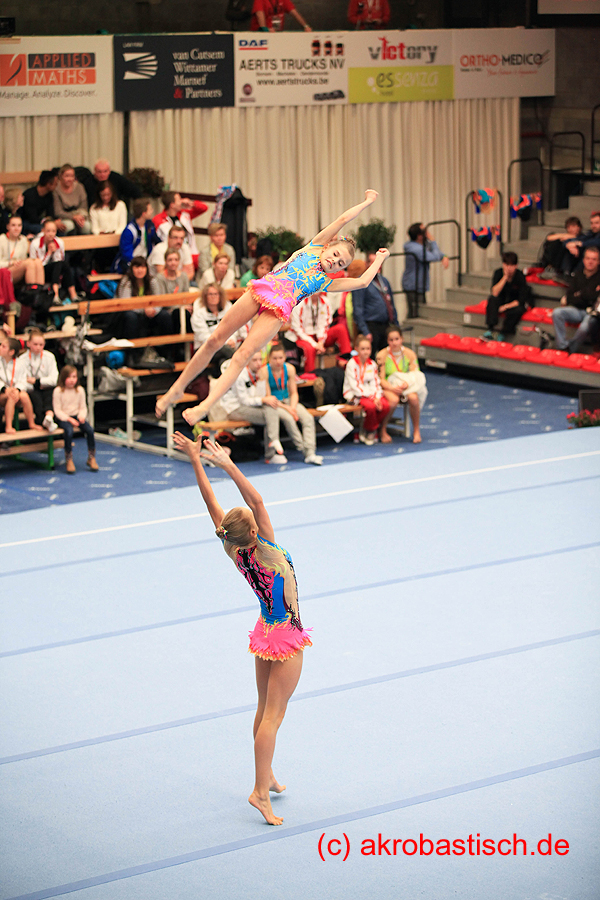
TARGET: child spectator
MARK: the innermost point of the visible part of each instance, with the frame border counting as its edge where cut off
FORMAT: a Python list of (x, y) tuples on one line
[(172, 280), (49, 249), (139, 238), (175, 241), (509, 297), (245, 401), (70, 410), (217, 233), (13, 385), (260, 267), (108, 214), (402, 382), (362, 384), (280, 380), (14, 255), (179, 210), (311, 323), (38, 202), (219, 273), (41, 374), (71, 203)]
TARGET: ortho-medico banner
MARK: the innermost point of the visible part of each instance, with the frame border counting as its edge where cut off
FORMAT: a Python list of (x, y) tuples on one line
[(48, 76), (393, 66), (503, 62), (290, 68)]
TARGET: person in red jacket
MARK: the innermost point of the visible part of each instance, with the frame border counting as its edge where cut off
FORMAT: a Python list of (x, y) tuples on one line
[(369, 13), (179, 210), (269, 15)]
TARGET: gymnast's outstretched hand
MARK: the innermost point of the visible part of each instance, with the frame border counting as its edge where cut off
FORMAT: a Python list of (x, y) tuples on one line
[(183, 443), (215, 454)]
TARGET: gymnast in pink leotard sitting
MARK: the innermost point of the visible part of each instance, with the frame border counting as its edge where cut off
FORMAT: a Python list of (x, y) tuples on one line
[(271, 299)]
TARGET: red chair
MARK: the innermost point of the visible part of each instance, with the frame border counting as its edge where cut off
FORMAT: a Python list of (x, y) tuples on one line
[(484, 348), (478, 308), (438, 340), (572, 361)]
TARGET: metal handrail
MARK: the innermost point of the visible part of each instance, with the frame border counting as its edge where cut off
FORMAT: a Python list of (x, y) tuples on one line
[(526, 159), (417, 261), (554, 171), (595, 140), (458, 255), (468, 229)]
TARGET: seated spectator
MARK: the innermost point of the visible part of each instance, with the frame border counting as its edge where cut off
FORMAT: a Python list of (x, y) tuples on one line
[(14, 255), (364, 14), (151, 321), (269, 15), (559, 256), (41, 374), (280, 382), (509, 298), (402, 382), (71, 203), (245, 401), (217, 233), (583, 295), (137, 281), (125, 189), (260, 267), (172, 280), (207, 312), (362, 385), (13, 385), (591, 238), (139, 238), (49, 250), (248, 261), (38, 202), (179, 211), (108, 214), (219, 273), (374, 309), (175, 241), (311, 325), (415, 280), (4, 211)]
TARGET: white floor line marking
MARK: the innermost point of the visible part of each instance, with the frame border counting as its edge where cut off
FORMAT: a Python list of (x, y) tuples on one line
[(346, 491)]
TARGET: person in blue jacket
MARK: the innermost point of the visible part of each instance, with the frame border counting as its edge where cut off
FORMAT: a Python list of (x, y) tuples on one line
[(374, 310), (415, 280), (139, 238)]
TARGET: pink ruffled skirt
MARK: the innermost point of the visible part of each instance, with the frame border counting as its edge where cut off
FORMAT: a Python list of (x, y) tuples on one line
[(274, 296), (277, 642)]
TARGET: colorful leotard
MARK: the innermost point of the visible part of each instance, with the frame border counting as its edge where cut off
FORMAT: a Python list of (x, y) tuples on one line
[(280, 291), (268, 569)]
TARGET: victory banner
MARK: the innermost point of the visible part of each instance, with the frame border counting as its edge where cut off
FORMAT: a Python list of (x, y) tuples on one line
[(290, 69), (173, 71), (395, 66), (504, 62), (49, 76)]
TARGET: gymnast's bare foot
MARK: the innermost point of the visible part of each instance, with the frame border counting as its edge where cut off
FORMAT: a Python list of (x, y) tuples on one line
[(275, 786), (385, 436), (168, 399), (195, 414), (264, 806), (417, 437)]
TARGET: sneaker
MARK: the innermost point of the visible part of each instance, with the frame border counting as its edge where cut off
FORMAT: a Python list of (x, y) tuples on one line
[(371, 438), (278, 458), (276, 445), (499, 336), (487, 336), (49, 424), (313, 460), (549, 274)]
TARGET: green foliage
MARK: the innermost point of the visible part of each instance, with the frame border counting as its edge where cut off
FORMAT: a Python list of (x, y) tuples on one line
[(375, 234), (285, 242), (149, 180)]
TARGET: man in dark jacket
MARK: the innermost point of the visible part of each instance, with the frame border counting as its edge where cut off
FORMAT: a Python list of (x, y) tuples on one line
[(374, 310), (38, 203), (583, 294), (509, 297), (126, 190)]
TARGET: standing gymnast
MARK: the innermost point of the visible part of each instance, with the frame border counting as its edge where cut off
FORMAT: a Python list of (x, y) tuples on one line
[(272, 299), (278, 638)]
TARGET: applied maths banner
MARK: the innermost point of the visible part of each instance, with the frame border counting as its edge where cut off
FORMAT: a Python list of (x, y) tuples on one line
[(173, 71), (503, 62), (393, 66), (53, 76), (290, 69)]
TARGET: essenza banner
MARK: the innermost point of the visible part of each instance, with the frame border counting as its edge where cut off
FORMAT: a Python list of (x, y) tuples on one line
[(48, 76)]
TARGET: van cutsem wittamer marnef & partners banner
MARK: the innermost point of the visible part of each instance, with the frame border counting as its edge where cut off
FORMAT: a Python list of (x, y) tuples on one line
[(395, 66), (290, 68), (49, 76)]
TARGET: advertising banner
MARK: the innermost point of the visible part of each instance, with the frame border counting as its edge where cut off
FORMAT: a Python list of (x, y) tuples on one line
[(568, 7), (173, 71), (503, 62), (49, 76), (290, 69), (393, 66)]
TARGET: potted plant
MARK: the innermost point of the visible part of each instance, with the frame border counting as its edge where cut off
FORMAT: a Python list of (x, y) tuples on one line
[(584, 419), (150, 181), (283, 241), (375, 234)]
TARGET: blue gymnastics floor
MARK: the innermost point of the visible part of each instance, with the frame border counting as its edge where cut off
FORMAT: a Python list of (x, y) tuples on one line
[(451, 690)]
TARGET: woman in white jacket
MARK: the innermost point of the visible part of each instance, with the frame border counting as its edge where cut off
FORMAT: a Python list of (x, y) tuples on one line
[(207, 311)]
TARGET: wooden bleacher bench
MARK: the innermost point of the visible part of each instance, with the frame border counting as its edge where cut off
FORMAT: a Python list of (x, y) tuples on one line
[(29, 440), (90, 241), (7, 178)]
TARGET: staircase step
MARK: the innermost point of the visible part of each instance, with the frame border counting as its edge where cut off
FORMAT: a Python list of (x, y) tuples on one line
[(582, 206), (592, 188)]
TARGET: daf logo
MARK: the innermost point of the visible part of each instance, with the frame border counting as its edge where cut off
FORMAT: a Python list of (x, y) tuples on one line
[(139, 65)]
